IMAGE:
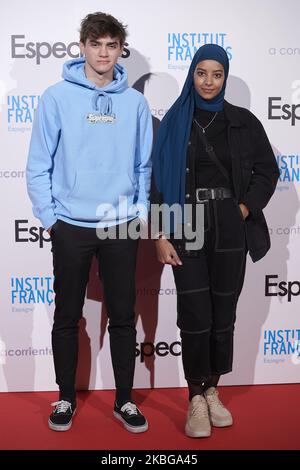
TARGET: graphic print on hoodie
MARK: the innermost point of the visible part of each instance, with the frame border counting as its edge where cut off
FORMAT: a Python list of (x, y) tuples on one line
[(89, 158)]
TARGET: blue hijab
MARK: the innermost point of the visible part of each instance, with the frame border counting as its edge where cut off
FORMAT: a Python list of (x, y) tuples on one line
[(170, 149)]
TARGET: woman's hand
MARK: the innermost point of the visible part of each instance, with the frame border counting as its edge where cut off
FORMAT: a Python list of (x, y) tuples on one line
[(166, 253), (244, 210)]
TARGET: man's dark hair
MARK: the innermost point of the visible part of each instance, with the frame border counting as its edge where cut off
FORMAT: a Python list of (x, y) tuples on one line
[(96, 25)]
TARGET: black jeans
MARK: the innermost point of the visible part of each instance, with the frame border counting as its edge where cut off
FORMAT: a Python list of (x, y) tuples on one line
[(73, 249), (208, 286)]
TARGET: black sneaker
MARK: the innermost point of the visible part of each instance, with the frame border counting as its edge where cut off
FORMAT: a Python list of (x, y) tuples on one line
[(131, 417), (61, 417)]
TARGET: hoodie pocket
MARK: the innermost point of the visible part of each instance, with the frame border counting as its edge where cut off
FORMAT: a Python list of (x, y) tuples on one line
[(96, 194)]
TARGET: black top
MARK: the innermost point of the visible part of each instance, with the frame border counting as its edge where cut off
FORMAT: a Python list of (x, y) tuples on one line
[(208, 174)]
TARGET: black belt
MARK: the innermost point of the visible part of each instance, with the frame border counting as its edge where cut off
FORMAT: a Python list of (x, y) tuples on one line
[(204, 194)]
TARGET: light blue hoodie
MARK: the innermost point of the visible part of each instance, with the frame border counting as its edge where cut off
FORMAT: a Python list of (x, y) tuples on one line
[(89, 159)]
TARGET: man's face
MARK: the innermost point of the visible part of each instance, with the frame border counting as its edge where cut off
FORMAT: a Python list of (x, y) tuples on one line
[(102, 54)]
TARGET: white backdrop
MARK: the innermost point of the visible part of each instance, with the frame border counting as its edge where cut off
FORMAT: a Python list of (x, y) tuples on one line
[(262, 38)]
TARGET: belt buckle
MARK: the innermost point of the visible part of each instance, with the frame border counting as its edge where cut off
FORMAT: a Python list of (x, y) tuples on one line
[(217, 193), (197, 195)]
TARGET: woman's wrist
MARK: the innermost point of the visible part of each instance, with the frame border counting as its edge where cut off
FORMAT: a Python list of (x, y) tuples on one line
[(160, 236)]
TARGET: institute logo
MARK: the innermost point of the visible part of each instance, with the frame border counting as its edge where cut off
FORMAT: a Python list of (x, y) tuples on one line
[(183, 45), (20, 111), (289, 170), (31, 290), (280, 344)]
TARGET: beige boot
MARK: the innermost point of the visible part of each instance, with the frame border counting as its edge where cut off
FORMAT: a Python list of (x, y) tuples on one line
[(198, 424), (219, 415)]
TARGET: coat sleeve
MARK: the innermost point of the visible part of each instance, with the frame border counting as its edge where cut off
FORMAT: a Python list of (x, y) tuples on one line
[(265, 172)]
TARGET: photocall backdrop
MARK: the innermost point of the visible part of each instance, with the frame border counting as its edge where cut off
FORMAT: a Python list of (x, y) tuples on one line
[(262, 39)]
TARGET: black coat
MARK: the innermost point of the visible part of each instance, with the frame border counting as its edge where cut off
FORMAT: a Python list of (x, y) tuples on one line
[(254, 174)]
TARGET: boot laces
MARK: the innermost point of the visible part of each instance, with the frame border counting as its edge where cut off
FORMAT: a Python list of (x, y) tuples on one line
[(213, 398), (199, 409)]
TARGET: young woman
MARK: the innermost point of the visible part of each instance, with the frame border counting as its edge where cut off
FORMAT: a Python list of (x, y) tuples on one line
[(216, 154)]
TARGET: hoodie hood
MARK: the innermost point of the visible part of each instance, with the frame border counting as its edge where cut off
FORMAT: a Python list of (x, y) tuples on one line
[(73, 71)]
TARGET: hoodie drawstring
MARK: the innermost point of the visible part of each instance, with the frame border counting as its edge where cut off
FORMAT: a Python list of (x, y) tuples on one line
[(104, 105)]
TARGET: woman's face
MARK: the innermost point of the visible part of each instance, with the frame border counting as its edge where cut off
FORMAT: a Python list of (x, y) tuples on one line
[(209, 78)]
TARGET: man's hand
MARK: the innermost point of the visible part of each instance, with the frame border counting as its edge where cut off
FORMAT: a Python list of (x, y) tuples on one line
[(166, 253)]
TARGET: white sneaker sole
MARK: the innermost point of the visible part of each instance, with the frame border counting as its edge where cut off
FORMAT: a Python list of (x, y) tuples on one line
[(60, 427), (221, 424), (135, 429), (191, 433)]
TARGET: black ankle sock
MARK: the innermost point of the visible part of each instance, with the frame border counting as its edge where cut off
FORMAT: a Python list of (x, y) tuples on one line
[(123, 395), (195, 389), (211, 381)]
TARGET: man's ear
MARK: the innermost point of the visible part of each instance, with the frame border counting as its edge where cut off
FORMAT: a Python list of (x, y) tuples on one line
[(82, 48)]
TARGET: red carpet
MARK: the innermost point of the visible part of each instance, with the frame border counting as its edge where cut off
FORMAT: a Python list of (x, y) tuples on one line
[(266, 417)]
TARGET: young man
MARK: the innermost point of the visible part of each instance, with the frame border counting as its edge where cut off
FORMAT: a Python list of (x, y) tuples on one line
[(88, 170)]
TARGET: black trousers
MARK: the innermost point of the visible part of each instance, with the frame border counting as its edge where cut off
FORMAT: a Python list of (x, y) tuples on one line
[(73, 248), (208, 286)]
